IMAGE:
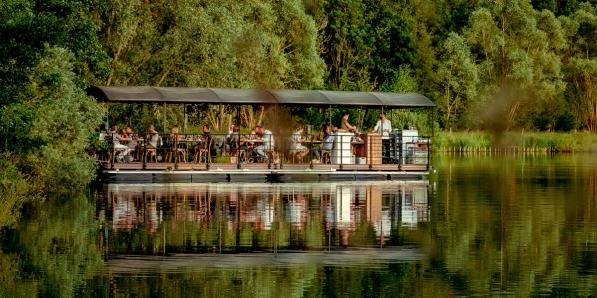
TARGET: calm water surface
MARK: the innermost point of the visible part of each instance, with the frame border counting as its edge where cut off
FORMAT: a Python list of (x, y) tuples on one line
[(482, 225)]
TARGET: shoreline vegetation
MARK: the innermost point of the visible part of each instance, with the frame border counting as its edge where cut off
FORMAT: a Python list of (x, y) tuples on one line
[(514, 141)]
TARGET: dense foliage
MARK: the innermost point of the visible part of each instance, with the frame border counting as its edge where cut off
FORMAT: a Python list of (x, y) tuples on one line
[(495, 64)]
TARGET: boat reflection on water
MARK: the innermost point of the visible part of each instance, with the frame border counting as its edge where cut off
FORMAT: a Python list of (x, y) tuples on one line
[(227, 217)]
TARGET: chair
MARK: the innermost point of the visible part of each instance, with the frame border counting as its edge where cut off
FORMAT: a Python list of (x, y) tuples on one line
[(204, 150), (117, 155), (273, 156), (176, 150), (295, 155), (326, 156), (242, 155), (152, 147), (151, 152)]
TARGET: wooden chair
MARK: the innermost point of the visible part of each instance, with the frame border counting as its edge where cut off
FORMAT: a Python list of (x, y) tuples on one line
[(176, 151), (204, 150), (326, 156), (273, 155), (296, 155), (117, 156), (152, 151)]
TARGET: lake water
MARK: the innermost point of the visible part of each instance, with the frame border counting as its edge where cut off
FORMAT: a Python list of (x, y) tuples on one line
[(482, 225)]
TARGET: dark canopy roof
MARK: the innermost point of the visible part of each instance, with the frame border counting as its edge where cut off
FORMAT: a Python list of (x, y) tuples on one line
[(257, 96)]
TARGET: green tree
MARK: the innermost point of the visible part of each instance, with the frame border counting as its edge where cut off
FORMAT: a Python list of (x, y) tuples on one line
[(458, 78), (46, 133), (580, 64), (226, 44), (266, 44), (27, 26), (54, 249), (50, 52), (366, 42), (63, 118), (519, 49)]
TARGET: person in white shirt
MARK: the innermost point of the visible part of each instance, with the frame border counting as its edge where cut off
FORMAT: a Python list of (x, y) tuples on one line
[(296, 147), (383, 126), (268, 141), (117, 138)]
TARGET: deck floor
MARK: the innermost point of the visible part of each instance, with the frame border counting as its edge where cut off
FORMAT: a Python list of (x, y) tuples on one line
[(263, 167)]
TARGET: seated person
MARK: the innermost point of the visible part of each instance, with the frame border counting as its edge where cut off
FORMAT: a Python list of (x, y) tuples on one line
[(226, 147), (133, 139), (295, 143), (206, 133), (174, 136), (117, 139), (152, 141), (345, 126), (176, 146), (175, 139), (268, 141), (153, 138), (206, 136), (230, 132), (232, 139), (327, 143)]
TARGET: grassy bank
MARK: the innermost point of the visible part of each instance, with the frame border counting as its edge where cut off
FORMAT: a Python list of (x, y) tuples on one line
[(479, 141)]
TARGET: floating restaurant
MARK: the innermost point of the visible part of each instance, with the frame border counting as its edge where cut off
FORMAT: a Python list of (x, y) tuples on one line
[(276, 153)]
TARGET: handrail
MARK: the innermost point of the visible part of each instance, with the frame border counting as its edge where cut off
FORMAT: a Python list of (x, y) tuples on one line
[(348, 149)]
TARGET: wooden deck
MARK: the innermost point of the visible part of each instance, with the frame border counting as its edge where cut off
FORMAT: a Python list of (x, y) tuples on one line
[(217, 172)]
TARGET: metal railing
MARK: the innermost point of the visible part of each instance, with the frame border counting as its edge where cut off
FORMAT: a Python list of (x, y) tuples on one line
[(342, 150)]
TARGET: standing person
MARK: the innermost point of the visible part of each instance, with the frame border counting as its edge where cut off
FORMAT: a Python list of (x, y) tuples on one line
[(344, 125), (383, 126)]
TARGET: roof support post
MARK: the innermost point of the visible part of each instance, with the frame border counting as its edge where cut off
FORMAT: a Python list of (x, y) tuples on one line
[(184, 106), (432, 120), (238, 108), (107, 127), (269, 160), (144, 154), (111, 136), (164, 117)]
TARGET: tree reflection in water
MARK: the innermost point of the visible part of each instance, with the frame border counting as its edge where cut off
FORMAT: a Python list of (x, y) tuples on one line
[(53, 251), (490, 225)]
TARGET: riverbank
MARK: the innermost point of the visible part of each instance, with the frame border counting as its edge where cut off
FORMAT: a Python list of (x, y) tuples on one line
[(480, 141)]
